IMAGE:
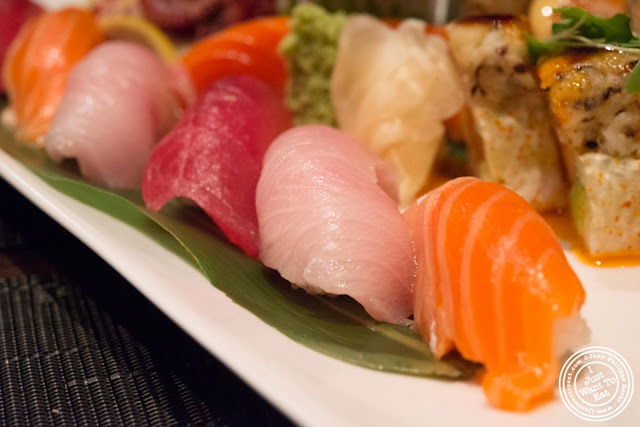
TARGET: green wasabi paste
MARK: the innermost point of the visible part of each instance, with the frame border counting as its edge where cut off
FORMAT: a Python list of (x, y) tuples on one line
[(310, 52)]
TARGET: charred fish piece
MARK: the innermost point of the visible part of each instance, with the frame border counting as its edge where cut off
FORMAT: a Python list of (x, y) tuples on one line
[(598, 124), (508, 128)]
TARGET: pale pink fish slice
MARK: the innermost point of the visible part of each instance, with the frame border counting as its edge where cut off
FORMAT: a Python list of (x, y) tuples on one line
[(327, 225), (120, 100)]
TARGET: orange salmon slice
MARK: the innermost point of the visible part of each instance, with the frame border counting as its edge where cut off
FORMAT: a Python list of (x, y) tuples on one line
[(39, 62), (492, 279)]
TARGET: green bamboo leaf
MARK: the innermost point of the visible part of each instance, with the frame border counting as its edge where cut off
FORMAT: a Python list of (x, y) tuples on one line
[(338, 327), (633, 82)]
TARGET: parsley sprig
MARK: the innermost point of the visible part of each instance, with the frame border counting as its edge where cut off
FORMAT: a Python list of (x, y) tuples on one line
[(580, 28)]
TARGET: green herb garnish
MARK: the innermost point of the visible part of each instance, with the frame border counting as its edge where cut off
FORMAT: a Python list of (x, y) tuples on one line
[(580, 28)]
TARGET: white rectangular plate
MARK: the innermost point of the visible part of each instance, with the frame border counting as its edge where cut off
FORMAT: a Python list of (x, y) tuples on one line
[(309, 387)]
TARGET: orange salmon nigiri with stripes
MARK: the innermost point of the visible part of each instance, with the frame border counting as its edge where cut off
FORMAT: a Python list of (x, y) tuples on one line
[(38, 64), (493, 283)]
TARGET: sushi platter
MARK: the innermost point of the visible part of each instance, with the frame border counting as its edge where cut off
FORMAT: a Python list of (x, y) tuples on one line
[(311, 388), (356, 256)]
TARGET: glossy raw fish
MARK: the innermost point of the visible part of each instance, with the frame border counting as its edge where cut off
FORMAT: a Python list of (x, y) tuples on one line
[(214, 155), (493, 283), (38, 64), (327, 225), (120, 100), (14, 14)]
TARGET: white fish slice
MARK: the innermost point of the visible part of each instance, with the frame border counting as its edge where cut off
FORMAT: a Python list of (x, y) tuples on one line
[(119, 102), (327, 226)]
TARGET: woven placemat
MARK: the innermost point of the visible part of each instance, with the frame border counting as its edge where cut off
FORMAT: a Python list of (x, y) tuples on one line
[(80, 346)]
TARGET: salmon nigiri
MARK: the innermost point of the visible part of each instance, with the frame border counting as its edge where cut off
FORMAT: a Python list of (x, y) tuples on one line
[(493, 283), (38, 64), (14, 14)]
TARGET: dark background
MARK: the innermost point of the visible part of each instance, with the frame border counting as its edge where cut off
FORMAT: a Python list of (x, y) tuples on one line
[(79, 345)]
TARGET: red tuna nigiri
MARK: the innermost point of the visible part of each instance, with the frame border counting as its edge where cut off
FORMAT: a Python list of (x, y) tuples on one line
[(214, 154), (327, 225), (493, 283)]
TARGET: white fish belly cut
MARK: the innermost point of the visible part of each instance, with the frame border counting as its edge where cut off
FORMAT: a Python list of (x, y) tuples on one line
[(328, 227), (117, 105)]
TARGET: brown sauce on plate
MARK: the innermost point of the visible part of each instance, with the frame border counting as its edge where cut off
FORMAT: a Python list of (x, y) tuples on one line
[(562, 225)]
